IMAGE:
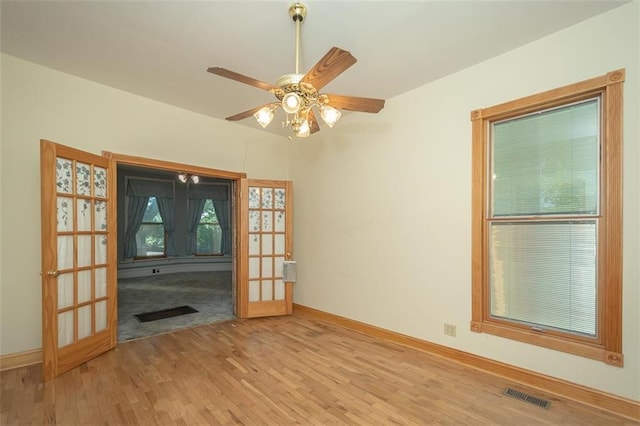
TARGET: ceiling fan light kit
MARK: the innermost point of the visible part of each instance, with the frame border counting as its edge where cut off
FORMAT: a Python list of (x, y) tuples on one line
[(298, 94)]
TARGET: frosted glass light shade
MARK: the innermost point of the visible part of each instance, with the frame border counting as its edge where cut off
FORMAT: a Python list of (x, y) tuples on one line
[(330, 115), (304, 130), (291, 102), (264, 116)]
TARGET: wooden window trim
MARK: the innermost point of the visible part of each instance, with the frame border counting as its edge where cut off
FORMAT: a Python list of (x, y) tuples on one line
[(607, 346)]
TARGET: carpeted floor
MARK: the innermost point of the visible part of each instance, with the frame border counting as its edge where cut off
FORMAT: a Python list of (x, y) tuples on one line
[(207, 292)]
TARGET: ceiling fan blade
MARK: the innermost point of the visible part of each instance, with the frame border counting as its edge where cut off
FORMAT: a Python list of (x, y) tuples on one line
[(353, 103), (245, 114), (223, 72), (313, 123), (334, 63)]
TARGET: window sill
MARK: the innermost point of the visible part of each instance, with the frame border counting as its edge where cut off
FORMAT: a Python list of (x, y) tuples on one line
[(539, 338)]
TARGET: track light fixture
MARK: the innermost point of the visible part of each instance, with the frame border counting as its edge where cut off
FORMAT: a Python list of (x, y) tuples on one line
[(185, 177)]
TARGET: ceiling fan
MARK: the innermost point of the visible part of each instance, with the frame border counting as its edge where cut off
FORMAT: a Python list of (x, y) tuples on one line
[(298, 94)]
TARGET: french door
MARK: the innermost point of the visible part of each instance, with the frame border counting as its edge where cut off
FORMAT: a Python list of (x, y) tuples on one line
[(78, 257), (266, 241)]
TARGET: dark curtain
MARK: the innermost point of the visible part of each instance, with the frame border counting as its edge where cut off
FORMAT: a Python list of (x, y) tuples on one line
[(135, 213), (194, 211)]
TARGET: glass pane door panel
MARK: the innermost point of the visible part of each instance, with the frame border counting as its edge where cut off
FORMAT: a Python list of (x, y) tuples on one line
[(267, 198), (254, 198), (267, 221), (101, 315), (84, 215), (279, 290), (267, 267), (65, 328), (64, 213), (100, 216), (64, 183), (84, 286), (254, 291), (279, 245), (280, 198), (278, 266), (84, 250), (101, 282), (65, 252), (83, 179), (280, 222), (254, 244), (267, 244), (267, 290), (65, 290), (254, 221), (100, 182), (84, 322), (101, 249), (254, 267)]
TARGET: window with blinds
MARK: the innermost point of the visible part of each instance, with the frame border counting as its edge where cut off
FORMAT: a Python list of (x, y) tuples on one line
[(544, 218), (547, 219)]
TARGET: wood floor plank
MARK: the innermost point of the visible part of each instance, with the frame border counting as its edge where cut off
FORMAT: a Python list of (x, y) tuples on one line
[(285, 370)]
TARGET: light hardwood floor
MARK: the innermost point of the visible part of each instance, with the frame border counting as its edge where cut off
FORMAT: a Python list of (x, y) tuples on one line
[(286, 370)]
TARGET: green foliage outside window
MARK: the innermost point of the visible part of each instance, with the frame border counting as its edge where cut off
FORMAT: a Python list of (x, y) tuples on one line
[(150, 238), (209, 233)]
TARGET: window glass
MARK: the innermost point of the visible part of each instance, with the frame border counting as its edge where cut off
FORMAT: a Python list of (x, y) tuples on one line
[(544, 274), (150, 238), (209, 233), (547, 163)]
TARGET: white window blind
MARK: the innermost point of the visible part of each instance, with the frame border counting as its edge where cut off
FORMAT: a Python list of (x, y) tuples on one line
[(547, 163), (544, 274), (543, 218)]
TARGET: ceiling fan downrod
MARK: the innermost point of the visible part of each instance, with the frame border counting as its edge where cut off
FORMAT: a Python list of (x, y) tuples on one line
[(298, 12)]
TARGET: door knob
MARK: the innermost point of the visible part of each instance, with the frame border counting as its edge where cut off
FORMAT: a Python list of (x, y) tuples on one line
[(53, 273)]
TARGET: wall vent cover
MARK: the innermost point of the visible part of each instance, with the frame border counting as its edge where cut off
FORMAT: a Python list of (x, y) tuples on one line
[(527, 398)]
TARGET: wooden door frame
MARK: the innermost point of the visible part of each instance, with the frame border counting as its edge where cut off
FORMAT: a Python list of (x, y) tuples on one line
[(236, 202)]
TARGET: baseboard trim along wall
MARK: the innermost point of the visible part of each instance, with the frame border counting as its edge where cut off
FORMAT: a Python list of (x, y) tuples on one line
[(20, 359), (585, 395)]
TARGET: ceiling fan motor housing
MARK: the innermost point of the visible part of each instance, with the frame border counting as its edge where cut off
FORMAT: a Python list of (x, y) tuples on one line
[(298, 12)]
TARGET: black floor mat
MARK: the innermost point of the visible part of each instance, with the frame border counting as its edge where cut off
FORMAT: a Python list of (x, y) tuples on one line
[(165, 313)]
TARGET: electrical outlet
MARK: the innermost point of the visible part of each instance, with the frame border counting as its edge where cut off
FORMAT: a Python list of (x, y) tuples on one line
[(449, 330)]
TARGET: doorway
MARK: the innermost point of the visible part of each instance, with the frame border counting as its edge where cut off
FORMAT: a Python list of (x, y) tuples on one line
[(194, 268), (79, 249)]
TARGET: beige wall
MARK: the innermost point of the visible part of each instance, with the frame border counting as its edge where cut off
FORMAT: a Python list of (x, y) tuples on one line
[(40, 103), (383, 202)]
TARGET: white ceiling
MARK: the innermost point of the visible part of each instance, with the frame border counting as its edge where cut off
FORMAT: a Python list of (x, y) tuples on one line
[(161, 49)]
